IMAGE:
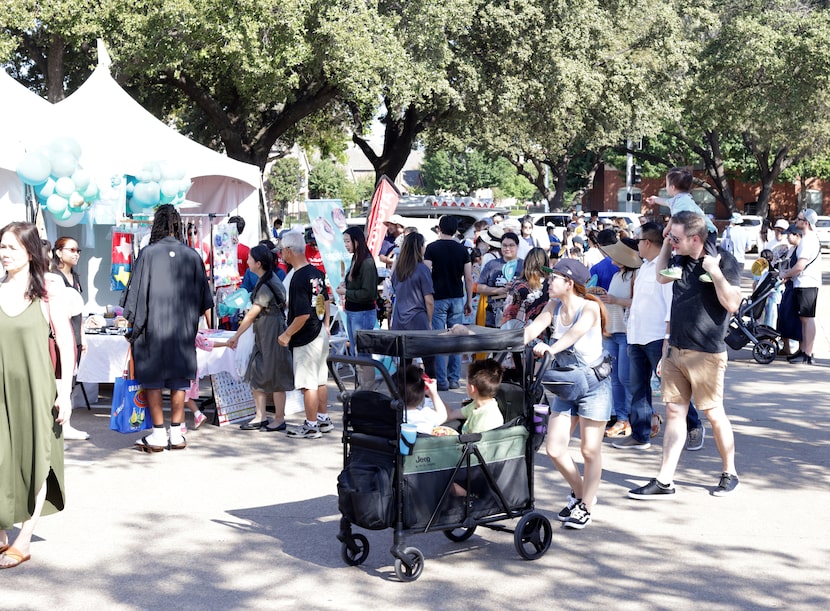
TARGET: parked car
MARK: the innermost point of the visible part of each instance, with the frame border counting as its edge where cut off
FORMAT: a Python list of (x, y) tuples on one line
[(423, 214), (823, 231)]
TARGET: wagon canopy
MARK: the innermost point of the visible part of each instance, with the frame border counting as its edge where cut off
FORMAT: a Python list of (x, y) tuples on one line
[(411, 344)]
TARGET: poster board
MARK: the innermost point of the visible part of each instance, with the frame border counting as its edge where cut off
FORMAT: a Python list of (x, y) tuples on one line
[(234, 399)]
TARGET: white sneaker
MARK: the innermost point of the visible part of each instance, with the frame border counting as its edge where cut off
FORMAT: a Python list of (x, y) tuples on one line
[(74, 434)]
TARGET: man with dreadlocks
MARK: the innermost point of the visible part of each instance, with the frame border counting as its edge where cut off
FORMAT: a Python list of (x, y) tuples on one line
[(167, 293)]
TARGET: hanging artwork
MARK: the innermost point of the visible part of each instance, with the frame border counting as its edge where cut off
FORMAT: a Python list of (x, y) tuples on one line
[(225, 242)]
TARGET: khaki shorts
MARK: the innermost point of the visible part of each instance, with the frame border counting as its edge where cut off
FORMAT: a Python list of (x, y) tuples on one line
[(310, 369), (688, 374)]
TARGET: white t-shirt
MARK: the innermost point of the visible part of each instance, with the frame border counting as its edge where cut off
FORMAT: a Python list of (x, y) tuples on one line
[(810, 249), (425, 418), (650, 307)]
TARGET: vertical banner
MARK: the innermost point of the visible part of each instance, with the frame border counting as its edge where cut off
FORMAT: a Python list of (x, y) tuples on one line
[(122, 259), (384, 202), (328, 222)]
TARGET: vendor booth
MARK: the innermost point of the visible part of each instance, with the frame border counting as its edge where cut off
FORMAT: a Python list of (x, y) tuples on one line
[(117, 139), (110, 162)]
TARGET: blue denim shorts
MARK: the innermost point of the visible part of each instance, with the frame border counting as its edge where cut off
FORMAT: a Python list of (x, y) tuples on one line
[(596, 404)]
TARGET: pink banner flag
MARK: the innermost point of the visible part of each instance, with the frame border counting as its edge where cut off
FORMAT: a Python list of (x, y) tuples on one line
[(384, 202)]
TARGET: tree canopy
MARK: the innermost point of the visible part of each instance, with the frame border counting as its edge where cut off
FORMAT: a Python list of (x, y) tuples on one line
[(552, 86)]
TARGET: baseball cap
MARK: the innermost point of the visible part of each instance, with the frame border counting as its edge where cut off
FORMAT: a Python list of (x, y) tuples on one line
[(736, 219), (570, 268), (782, 224), (395, 219), (810, 216), (795, 230)]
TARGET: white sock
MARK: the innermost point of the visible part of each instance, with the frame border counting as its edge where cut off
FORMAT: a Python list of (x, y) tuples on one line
[(322, 417), (312, 424), (158, 436)]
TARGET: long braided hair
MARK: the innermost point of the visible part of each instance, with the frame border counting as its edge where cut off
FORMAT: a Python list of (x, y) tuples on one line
[(166, 222)]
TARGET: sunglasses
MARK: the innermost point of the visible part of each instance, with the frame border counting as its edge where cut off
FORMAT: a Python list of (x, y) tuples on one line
[(74, 251)]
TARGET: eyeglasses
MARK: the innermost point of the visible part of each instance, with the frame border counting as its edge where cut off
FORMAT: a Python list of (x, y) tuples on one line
[(507, 245), (674, 238), (800, 218), (74, 251)]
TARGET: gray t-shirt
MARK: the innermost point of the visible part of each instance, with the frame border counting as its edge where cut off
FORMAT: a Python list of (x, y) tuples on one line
[(410, 311)]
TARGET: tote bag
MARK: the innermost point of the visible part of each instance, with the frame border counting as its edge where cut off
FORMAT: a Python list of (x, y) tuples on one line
[(130, 413)]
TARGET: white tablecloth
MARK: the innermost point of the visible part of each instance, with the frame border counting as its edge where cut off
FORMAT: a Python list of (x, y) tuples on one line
[(106, 355)]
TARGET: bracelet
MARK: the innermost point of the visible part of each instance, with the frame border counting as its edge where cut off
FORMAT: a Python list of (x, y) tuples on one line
[(666, 336)]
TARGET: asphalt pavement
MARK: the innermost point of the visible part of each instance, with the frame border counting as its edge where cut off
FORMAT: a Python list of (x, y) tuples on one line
[(247, 520)]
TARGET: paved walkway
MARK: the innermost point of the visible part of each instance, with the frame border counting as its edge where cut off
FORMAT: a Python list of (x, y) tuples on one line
[(247, 520)]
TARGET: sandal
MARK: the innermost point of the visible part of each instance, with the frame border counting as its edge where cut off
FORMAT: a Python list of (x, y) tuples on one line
[(14, 554), (143, 446), (656, 422), (620, 428)]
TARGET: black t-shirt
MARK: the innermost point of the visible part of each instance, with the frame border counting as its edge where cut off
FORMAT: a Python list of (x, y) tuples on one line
[(307, 295), (448, 260), (698, 320)]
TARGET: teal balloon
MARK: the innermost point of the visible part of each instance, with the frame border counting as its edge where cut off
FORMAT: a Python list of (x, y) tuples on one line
[(66, 145), (147, 194), (64, 186), (34, 169), (63, 164), (135, 207), (56, 204), (46, 189), (63, 216), (81, 179), (70, 219), (91, 193)]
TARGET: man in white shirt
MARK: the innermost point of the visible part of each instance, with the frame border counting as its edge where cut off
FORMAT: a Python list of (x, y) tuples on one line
[(806, 275), (736, 239), (647, 329)]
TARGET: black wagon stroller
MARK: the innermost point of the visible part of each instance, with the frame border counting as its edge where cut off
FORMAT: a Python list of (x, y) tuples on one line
[(413, 493), (745, 328)]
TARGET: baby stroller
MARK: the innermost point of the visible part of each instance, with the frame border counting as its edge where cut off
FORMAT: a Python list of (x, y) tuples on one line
[(744, 327), (416, 491)]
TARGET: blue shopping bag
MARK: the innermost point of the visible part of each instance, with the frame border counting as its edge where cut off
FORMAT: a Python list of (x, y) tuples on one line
[(129, 404)]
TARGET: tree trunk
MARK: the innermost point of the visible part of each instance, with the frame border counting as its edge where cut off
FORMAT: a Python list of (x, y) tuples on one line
[(768, 173), (54, 69), (714, 165), (399, 137)]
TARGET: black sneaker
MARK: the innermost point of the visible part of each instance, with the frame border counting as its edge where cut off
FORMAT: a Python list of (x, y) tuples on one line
[(797, 357), (563, 515), (727, 484), (579, 518), (652, 491)]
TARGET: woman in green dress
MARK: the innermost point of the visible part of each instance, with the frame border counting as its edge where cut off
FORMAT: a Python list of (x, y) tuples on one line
[(33, 405)]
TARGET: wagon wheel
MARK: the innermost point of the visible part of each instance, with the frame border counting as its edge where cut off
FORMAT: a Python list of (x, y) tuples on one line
[(532, 536), (764, 351), (459, 534), (416, 558), (355, 553)]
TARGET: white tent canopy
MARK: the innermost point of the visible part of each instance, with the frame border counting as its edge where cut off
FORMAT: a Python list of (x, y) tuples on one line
[(118, 136), (20, 109)]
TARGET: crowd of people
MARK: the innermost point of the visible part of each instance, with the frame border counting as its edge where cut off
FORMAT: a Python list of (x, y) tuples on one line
[(617, 305)]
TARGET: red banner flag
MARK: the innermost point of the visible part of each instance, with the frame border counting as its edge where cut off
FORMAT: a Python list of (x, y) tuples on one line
[(384, 202)]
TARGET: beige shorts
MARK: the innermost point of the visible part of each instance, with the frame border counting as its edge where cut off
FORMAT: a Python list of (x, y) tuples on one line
[(688, 374), (310, 369)]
